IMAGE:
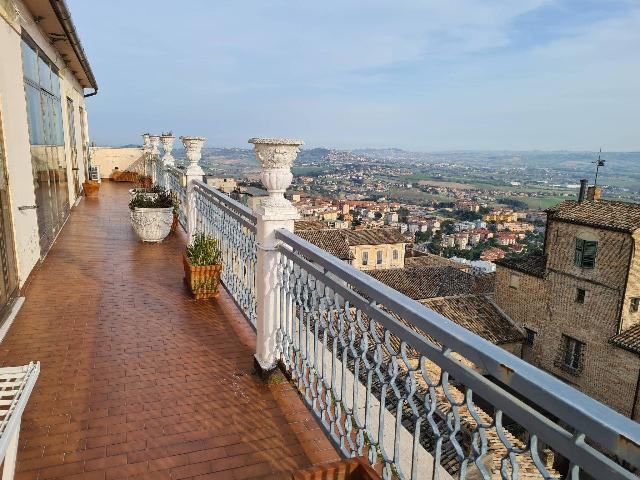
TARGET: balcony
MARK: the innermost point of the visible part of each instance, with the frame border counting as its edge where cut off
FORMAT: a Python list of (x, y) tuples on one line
[(138, 380)]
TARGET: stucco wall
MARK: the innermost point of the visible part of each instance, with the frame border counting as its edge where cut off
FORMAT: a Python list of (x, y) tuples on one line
[(108, 158), (387, 256), (16, 131)]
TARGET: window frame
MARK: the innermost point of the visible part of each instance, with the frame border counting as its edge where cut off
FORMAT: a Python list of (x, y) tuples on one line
[(634, 305), (571, 355), (581, 296), (395, 254), (365, 258), (379, 257), (530, 336), (585, 253)]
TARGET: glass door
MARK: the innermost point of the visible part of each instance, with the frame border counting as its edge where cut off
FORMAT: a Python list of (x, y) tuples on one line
[(71, 125), (9, 277)]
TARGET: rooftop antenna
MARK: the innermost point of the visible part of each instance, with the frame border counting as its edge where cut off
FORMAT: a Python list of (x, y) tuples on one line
[(599, 163)]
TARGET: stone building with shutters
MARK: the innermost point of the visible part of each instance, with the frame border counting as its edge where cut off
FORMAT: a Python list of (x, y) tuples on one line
[(579, 302)]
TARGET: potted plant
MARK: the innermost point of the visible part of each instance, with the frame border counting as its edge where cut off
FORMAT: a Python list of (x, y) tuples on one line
[(91, 188), (151, 216), (202, 266), (350, 469), (146, 191)]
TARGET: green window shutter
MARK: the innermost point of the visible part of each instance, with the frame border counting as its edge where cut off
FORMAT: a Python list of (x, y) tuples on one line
[(589, 254), (579, 250)]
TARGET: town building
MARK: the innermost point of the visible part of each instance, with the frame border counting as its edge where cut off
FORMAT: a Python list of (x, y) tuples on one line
[(371, 249), (580, 301), (44, 137), (225, 185)]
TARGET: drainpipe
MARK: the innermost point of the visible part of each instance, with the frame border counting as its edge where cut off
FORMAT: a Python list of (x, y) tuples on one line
[(62, 13)]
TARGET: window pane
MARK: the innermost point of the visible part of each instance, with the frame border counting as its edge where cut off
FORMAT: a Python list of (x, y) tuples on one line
[(44, 74), (29, 62), (55, 84), (34, 115)]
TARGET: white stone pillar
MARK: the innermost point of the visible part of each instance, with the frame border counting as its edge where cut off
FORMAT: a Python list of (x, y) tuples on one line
[(167, 140), (276, 157), (193, 147), (155, 155), (146, 151)]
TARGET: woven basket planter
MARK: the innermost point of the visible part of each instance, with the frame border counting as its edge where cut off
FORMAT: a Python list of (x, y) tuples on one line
[(202, 280)]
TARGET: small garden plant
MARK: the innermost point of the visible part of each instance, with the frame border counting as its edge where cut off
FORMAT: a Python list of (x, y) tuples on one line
[(204, 250)]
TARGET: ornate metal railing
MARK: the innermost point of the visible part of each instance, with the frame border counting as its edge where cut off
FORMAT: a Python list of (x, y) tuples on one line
[(159, 172), (175, 182), (234, 226), (391, 379)]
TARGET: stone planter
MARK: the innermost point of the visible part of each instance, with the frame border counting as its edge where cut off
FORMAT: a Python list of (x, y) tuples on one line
[(152, 224), (91, 188), (202, 280), (352, 469)]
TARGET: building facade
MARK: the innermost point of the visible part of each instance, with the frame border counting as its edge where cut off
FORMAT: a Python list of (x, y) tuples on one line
[(44, 139), (579, 301)]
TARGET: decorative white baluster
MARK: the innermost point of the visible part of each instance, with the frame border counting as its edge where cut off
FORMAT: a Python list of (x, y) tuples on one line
[(146, 151), (155, 154), (167, 140), (193, 147), (276, 157)]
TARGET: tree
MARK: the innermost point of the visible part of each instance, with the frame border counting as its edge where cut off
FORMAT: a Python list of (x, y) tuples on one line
[(423, 236), (447, 227)]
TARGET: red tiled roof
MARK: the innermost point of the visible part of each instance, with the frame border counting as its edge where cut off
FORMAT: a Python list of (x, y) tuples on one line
[(607, 214), (628, 339)]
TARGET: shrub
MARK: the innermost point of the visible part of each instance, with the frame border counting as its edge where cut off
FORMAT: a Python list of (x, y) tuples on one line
[(204, 250), (162, 199)]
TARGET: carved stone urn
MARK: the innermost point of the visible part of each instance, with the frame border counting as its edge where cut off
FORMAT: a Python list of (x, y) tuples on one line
[(193, 147), (155, 144), (167, 146), (276, 155)]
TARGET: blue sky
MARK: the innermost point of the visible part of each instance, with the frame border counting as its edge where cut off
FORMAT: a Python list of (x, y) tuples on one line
[(416, 74)]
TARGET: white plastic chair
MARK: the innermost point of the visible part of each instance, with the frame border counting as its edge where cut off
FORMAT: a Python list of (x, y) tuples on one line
[(16, 384)]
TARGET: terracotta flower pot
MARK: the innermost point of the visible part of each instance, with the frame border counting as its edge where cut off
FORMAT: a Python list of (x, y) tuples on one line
[(352, 469), (202, 280), (174, 225), (91, 188), (146, 182)]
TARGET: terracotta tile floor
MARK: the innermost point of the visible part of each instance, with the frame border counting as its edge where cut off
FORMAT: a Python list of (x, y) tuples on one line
[(138, 380)]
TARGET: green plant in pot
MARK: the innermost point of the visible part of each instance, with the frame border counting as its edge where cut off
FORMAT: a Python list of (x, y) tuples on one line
[(152, 215), (203, 266)]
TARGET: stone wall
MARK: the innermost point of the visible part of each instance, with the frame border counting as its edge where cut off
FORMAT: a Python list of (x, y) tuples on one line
[(549, 307)]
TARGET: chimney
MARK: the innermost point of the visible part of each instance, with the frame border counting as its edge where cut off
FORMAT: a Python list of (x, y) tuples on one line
[(583, 190), (594, 193)]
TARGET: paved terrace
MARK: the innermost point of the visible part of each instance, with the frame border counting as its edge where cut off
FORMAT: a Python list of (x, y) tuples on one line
[(138, 380)]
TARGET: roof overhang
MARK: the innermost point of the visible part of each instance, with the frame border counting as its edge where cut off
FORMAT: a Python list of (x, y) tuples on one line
[(54, 19)]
